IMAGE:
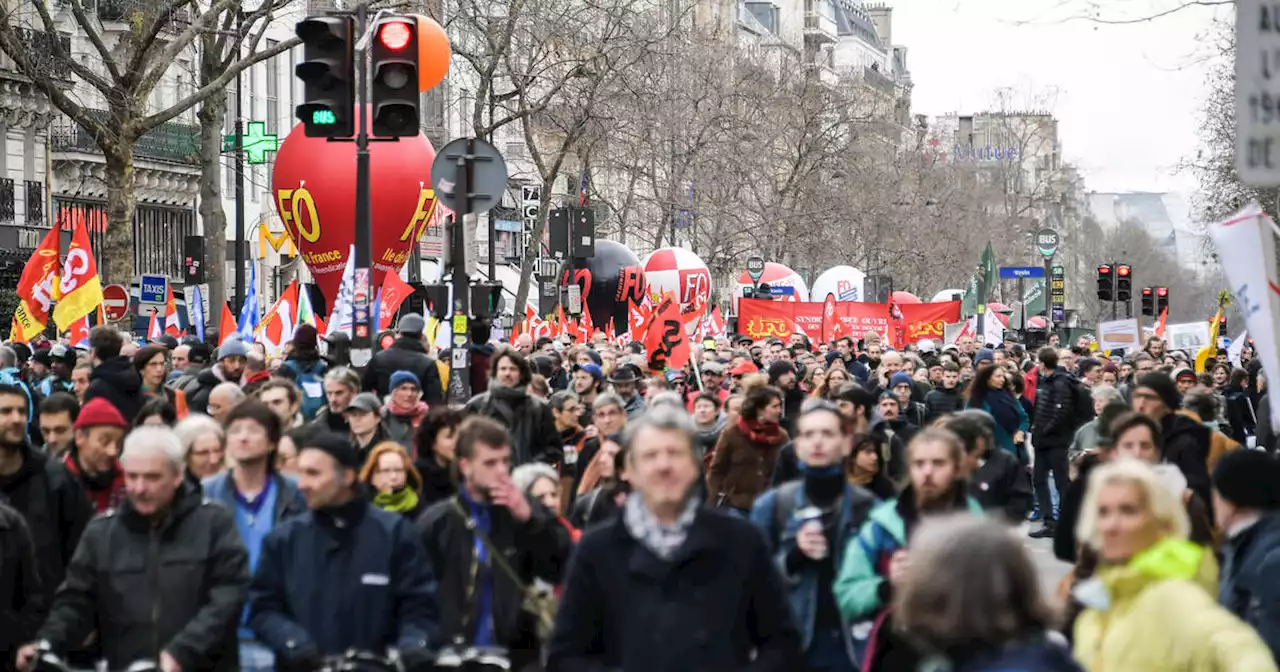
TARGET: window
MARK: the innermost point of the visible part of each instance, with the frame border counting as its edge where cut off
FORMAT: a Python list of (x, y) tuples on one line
[(273, 91)]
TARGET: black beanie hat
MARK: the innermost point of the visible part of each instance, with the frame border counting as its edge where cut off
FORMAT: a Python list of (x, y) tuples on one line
[(1163, 386), (1248, 478), (337, 446)]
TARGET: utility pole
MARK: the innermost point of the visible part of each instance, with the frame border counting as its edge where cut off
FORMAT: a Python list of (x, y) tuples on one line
[(241, 244), (362, 339)]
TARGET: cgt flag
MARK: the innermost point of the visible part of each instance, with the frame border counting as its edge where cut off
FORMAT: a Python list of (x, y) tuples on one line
[(665, 338), (80, 287), (36, 290)]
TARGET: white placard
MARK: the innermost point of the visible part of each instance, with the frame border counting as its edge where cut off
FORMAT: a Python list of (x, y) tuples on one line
[(1118, 334), (1257, 93), (1190, 336)]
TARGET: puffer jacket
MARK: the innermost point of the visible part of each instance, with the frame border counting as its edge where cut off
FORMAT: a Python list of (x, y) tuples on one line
[(177, 588), (117, 381), (1152, 615)]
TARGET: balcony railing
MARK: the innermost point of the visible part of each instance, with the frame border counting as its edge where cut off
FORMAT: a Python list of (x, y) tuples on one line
[(39, 47), (878, 80), (122, 10), (170, 142)]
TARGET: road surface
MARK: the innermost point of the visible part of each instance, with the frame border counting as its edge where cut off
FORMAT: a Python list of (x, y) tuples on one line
[(1050, 569)]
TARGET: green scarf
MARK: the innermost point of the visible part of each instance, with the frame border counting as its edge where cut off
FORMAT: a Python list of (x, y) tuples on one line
[(403, 500)]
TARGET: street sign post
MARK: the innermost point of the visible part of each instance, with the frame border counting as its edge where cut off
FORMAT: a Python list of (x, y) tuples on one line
[(1257, 94), (1047, 242), (115, 302), (530, 199), (1020, 272), (153, 289), (755, 271)]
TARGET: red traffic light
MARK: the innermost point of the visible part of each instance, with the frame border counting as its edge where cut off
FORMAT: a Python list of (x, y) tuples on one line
[(1122, 271), (1104, 270), (1146, 291), (1162, 291), (395, 35), (1222, 319)]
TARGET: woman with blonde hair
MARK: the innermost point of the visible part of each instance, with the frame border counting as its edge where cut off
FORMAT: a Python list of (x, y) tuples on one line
[(1145, 608), (971, 600), (394, 481)]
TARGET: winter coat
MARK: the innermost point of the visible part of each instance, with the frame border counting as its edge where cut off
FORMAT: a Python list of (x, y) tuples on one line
[(892, 436), (1038, 654), (1250, 564), (1058, 411), (179, 588), (56, 510), (1186, 444), (322, 587), (118, 382), (741, 469), (23, 603), (1002, 486), (718, 605), (705, 439), (803, 583), (437, 482), (535, 549), (1155, 617), (527, 418), (940, 402), (198, 390), (406, 354)]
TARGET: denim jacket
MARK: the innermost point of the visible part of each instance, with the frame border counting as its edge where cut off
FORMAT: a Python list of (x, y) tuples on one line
[(803, 588)]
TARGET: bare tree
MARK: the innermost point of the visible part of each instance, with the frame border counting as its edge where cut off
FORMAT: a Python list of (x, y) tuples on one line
[(124, 69)]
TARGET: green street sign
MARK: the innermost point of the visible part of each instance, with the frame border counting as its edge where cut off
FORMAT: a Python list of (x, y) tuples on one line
[(255, 143)]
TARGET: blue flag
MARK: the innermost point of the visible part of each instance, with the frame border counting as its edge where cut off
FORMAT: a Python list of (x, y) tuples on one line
[(249, 313), (197, 313)]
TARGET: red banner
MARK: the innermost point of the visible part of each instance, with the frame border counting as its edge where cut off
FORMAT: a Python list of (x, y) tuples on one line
[(759, 319)]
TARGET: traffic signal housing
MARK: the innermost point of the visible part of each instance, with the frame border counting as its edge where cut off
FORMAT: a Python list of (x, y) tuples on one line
[(1222, 326), (327, 72), (1162, 301), (1106, 283), (1124, 282), (1148, 302), (393, 64)]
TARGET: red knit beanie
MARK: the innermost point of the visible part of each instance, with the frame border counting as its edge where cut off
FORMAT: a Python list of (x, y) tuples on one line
[(100, 413)]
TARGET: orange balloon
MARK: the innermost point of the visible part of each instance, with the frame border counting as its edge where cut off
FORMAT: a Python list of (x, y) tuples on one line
[(433, 53)]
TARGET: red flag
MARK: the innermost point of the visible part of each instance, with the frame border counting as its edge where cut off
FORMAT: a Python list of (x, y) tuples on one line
[(394, 292), (665, 338), (829, 319), (153, 328), (227, 327), (171, 314), (79, 331), (1164, 317)]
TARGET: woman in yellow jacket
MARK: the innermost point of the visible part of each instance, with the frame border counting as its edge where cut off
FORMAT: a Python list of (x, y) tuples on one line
[(1147, 607)]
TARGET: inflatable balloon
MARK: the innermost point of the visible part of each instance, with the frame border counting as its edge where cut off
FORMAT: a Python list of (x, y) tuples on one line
[(784, 283), (685, 276), (314, 184), (948, 295), (611, 281), (843, 282), (905, 297)]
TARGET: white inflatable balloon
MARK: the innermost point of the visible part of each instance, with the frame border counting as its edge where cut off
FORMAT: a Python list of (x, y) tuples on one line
[(948, 295), (784, 283), (684, 275), (844, 282)]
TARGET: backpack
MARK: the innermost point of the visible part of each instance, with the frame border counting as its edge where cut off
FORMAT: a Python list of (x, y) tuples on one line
[(311, 381), (784, 504)]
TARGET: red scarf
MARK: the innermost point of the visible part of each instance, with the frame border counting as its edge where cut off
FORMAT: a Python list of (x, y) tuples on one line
[(767, 433), (413, 413)]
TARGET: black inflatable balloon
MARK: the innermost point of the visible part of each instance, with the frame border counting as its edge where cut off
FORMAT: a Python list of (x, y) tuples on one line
[(610, 281)]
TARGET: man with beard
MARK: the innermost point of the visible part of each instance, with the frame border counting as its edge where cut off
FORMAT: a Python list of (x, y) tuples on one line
[(55, 507), (874, 566), (530, 421), (996, 479), (586, 384), (626, 384), (232, 358), (61, 360), (782, 375)]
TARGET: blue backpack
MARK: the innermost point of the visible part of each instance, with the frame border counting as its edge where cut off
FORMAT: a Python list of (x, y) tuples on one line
[(311, 381)]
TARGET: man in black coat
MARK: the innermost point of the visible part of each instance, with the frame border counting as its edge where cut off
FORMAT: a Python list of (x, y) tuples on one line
[(55, 507), (1059, 413), (114, 378), (163, 578), (408, 353), (490, 518), (669, 584), (1186, 442), (997, 480), (23, 603)]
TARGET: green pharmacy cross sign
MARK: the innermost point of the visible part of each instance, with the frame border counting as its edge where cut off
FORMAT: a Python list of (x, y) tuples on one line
[(256, 142)]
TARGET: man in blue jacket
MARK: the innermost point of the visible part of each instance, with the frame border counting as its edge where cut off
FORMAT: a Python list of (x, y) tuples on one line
[(807, 524), (346, 575), (1247, 511)]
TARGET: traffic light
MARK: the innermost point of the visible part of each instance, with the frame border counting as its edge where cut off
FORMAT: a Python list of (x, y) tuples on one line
[(327, 72), (1106, 283), (393, 62), (486, 300), (1162, 301), (1148, 302), (1124, 282), (1222, 325)]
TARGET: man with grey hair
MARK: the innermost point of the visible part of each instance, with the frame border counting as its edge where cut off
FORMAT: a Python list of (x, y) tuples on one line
[(671, 584), (223, 398), (166, 558)]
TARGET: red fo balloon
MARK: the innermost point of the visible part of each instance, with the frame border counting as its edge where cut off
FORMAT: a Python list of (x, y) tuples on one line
[(314, 183)]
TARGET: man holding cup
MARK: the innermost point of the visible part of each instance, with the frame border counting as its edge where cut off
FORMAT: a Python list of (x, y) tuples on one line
[(808, 523)]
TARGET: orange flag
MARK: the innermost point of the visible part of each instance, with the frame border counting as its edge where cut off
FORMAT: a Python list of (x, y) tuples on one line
[(171, 325), (36, 289), (227, 327)]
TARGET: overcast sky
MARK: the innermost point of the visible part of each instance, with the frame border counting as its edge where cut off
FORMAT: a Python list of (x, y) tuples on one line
[(1127, 97)]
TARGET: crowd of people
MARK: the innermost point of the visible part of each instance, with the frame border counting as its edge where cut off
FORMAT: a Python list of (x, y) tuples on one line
[(772, 506)]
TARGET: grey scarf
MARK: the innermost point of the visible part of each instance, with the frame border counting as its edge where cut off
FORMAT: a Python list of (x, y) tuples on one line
[(663, 540)]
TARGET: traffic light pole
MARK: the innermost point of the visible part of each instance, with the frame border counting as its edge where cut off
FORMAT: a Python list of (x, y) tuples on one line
[(241, 243), (460, 369), (361, 323), (1115, 289)]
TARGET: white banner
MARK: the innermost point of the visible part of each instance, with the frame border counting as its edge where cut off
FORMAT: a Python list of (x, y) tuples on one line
[(1247, 248), (1119, 334), (1189, 336)]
